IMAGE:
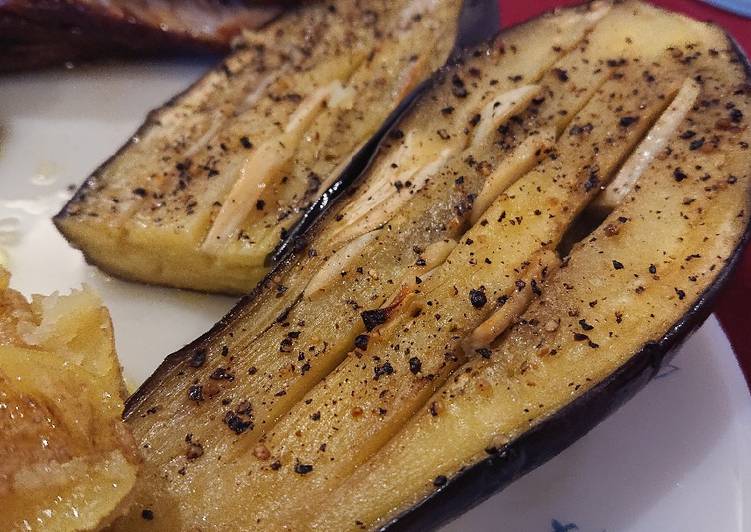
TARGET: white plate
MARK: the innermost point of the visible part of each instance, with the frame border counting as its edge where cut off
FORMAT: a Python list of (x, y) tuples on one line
[(677, 457)]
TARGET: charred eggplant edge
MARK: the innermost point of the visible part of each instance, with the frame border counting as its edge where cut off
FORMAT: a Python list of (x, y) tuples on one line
[(478, 482)]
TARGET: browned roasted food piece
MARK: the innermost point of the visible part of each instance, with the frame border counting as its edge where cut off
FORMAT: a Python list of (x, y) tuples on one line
[(439, 334), (208, 187), (67, 461), (51, 32)]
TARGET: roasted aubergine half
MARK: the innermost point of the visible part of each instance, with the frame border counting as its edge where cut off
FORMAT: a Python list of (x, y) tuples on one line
[(42, 33), (444, 329), (205, 190)]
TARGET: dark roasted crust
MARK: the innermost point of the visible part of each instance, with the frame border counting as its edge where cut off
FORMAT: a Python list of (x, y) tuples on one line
[(478, 482), (27, 45), (53, 32)]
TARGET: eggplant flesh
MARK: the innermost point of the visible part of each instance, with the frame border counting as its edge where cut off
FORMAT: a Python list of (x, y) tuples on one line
[(204, 192), (416, 354)]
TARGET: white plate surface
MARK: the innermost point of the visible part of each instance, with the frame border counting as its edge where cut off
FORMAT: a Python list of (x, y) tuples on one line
[(676, 458)]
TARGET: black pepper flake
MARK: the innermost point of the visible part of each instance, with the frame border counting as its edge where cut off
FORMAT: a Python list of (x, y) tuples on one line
[(237, 424), (593, 180), (580, 130), (197, 359), (221, 374), (245, 141), (477, 298), (696, 144), (736, 115), (627, 121), (440, 481), (303, 469), (276, 466), (385, 369), (535, 288), (584, 325), (260, 204), (679, 175), (147, 514), (244, 408), (415, 365), (447, 110), (681, 294), (361, 342), (617, 265), (194, 452), (688, 134), (195, 393), (285, 346), (484, 352), (579, 337), (652, 269), (374, 318), (616, 62), (458, 89), (140, 191), (561, 74), (396, 134)]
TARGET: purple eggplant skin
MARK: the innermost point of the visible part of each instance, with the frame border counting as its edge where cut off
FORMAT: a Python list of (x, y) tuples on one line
[(473, 485)]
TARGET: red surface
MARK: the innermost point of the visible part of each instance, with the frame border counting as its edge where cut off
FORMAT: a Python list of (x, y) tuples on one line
[(731, 308)]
